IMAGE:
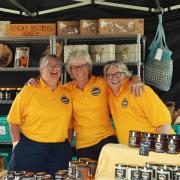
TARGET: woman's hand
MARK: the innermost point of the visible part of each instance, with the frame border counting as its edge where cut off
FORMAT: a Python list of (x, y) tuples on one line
[(33, 81), (136, 86)]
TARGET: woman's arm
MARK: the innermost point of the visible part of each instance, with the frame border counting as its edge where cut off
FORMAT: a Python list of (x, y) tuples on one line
[(33, 81), (136, 86), (164, 129), (15, 133)]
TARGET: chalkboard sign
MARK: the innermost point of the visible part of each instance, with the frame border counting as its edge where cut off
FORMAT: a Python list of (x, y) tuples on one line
[(144, 148)]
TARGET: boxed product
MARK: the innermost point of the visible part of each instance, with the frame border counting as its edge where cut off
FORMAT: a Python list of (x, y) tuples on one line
[(70, 48), (121, 26), (3, 28), (127, 52), (58, 50), (21, 57), (88, 27), (18, 30), (65, 28), (102, 53)]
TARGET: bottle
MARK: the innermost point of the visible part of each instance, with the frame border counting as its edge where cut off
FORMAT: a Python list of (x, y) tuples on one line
[(1, 94)]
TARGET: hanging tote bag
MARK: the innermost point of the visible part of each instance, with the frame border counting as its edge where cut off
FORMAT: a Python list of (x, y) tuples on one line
[(159, 65)]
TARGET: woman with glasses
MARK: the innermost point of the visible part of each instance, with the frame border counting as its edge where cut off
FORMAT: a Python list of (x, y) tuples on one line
[(145, 113), (39, 120), (91, 116)]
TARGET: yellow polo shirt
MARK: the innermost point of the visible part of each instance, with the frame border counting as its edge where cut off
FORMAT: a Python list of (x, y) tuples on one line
[(144, 113), (90, 112), (43, 115)]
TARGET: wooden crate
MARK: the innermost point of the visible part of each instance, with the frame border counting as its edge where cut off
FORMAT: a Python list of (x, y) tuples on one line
[(121, 26), (3, 28), (88, 27), (18, 30), (65, 28), (102, 53), (70, 48), (127, 52)]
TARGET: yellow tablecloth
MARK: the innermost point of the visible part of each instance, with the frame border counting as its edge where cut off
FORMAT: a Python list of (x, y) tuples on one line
[(117, 153)]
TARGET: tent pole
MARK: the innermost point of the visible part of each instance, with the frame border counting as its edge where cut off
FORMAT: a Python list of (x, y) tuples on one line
[(100, 2), (9, 11), (22, 8), (83, 3)]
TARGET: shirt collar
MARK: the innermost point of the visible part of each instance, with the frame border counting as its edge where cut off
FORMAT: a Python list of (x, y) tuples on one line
[(44, 85)]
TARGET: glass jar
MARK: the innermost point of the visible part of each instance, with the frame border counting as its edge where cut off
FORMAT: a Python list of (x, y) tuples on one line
[(120, 171), (84, 160), (154, 166), (18, 175), (10, 175), (146, 173), (39, 175), (61, 175), (7, 94), (72, 168), (134, 172), (169, 168), (92, 165), (162, 174), (82, 172), (160, 144), (134, 138), (28, 176), (3, 92), (176, 170), (172, 144), (148, 137)]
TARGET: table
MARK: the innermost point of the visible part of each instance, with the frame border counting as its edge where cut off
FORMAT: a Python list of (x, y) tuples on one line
[(118, 153)]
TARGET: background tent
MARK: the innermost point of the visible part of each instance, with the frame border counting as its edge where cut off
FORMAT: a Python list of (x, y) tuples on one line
[(34, 11)]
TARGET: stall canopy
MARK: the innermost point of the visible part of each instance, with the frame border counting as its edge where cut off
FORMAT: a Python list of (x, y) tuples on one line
[(46, 8), (34, 11)]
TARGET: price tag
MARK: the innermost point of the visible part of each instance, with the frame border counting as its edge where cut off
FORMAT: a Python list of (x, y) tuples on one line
[(2, 130), (144, 148)]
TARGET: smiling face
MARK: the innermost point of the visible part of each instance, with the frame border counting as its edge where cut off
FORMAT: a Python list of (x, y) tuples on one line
[(114, 76), (51, 72), (80, 70)]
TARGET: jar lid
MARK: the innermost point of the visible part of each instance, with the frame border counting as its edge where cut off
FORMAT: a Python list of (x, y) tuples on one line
[(121, 165)]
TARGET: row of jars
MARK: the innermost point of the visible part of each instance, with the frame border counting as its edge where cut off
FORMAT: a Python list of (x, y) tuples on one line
[(84, 169), (158, 142), (8, 93), (151, 171)]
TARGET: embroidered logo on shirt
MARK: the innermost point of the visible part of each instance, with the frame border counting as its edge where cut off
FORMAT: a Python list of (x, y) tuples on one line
[(65, 99), (95, 91), (124, 103)]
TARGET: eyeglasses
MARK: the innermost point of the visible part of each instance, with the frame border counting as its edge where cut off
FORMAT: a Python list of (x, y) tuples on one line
[(52, 67), (81, 67), (109, 76)]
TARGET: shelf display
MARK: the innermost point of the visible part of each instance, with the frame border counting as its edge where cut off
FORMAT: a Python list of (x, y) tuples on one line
[(6, 55)]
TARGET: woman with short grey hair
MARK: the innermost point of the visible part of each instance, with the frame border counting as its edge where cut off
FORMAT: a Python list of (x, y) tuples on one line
[(75, 57), (39, 120), (120, 65), (146, 113)]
